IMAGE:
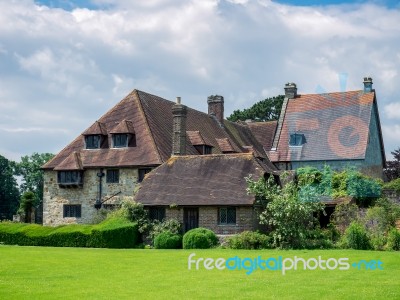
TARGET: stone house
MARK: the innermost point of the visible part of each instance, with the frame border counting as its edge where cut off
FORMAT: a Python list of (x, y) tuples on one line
[(109, 160), (201, 159)]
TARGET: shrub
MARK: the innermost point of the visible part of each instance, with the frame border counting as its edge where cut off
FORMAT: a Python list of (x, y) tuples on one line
[(134, 212), (199, 238), (249, 240), (171, 225), (393, 242), (356, 237), (112, 233), (393, 185), (344, 214), (168, 240)]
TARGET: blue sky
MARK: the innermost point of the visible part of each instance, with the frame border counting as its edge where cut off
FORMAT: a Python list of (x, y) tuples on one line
[(61, 69)]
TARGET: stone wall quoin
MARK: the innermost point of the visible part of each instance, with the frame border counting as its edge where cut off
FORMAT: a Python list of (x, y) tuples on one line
[(55, 197)]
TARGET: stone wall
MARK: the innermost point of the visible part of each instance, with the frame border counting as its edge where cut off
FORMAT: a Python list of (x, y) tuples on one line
[(246, 219), (54, 196)]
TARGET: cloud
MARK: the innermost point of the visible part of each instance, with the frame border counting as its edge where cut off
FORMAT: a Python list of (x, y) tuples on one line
[(63, 69)]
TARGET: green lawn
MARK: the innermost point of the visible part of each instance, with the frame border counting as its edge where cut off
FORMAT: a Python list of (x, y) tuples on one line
[(82, 273)]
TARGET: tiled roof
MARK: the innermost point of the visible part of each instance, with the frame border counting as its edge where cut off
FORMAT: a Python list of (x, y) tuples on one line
[(96, 128), (335, 127), (264, 132), (225, 145), (150, 118), (72, 163), (195, 138), (123, 127), (202, 180)]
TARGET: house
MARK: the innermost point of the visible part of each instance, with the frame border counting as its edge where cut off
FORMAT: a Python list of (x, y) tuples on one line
[(196, 162), (205, 191), (108, 161), (339, 129)]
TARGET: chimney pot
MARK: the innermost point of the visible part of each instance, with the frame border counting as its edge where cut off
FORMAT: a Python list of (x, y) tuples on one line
[(290, 90), (367, 84), (178, 100)]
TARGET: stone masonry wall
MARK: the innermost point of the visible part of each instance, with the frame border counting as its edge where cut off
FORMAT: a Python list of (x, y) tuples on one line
[(54, 197)]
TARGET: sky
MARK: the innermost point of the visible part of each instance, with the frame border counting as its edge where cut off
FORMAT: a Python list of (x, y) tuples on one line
[(64, 63)]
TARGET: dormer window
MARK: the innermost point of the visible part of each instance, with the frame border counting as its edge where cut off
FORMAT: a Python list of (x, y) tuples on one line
[(297, 139), (120, 140), (92, 141)]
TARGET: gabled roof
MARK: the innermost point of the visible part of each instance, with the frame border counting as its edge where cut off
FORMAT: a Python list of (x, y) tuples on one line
[(225, 145), (96, 128), (123, 127), (202, 180), (72, 163), (264, 132), (195, 138), (150, 118), (335, 127)]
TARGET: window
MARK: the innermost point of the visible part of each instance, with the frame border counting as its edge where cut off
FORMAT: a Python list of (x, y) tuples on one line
[(227, 215), (157, 213), (112, 176), (70, 177), (120, 140), (72, 211), (207, 149), (92, 141), (203, 149), (142, 173), (297, 139)]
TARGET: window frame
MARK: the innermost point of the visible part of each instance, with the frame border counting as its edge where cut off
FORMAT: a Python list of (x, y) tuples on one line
[(157, 213), (142, 175), (116, 136), (298, 138), (89, 143), (72, 211), (70, 177), (112, 176), (227, 218)]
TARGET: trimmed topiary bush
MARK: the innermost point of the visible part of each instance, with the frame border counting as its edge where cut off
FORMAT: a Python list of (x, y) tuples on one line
[(356, 237), (249, 240), (168, 240), (393, 239), (199, 238)]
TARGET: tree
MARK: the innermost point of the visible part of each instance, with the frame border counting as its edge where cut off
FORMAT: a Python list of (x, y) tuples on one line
[(392, 170), (27, 204), (9, 194), (32, 174), (266, 110), (291, 215)]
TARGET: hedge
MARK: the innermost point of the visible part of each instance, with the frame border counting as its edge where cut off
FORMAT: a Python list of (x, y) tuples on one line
[(199, 238), (111, 233)]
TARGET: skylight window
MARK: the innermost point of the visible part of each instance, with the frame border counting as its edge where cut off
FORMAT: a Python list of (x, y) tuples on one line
[(297, 139)]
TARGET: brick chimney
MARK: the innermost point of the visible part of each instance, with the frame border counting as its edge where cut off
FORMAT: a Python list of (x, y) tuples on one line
[(179, 128), (290, 90), (216, 107), (367, 85)]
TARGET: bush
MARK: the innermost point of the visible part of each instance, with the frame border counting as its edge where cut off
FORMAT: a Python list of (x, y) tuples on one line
[(393, 239), (112, 233), (393, 185), (171, 225), (356, 237), (199, 238), (249, 240), (134, 212), (168, 240)]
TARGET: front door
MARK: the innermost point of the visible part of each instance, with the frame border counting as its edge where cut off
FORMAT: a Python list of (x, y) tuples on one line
[(191, 218)]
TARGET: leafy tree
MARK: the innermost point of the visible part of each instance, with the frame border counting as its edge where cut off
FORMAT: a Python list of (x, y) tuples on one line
[(392, 170), (266, 110), (9, 193), (32, 174), (27, 203), (292, 216)]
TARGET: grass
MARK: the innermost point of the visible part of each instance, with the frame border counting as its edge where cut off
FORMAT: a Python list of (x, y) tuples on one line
[(85, 273)]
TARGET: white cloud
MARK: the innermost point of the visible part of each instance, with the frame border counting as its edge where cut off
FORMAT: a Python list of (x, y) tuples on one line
[(392, 110), (75, 65)]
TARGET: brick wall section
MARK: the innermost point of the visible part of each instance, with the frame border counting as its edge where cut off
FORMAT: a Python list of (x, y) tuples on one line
[(55, 197), (246, 219)]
